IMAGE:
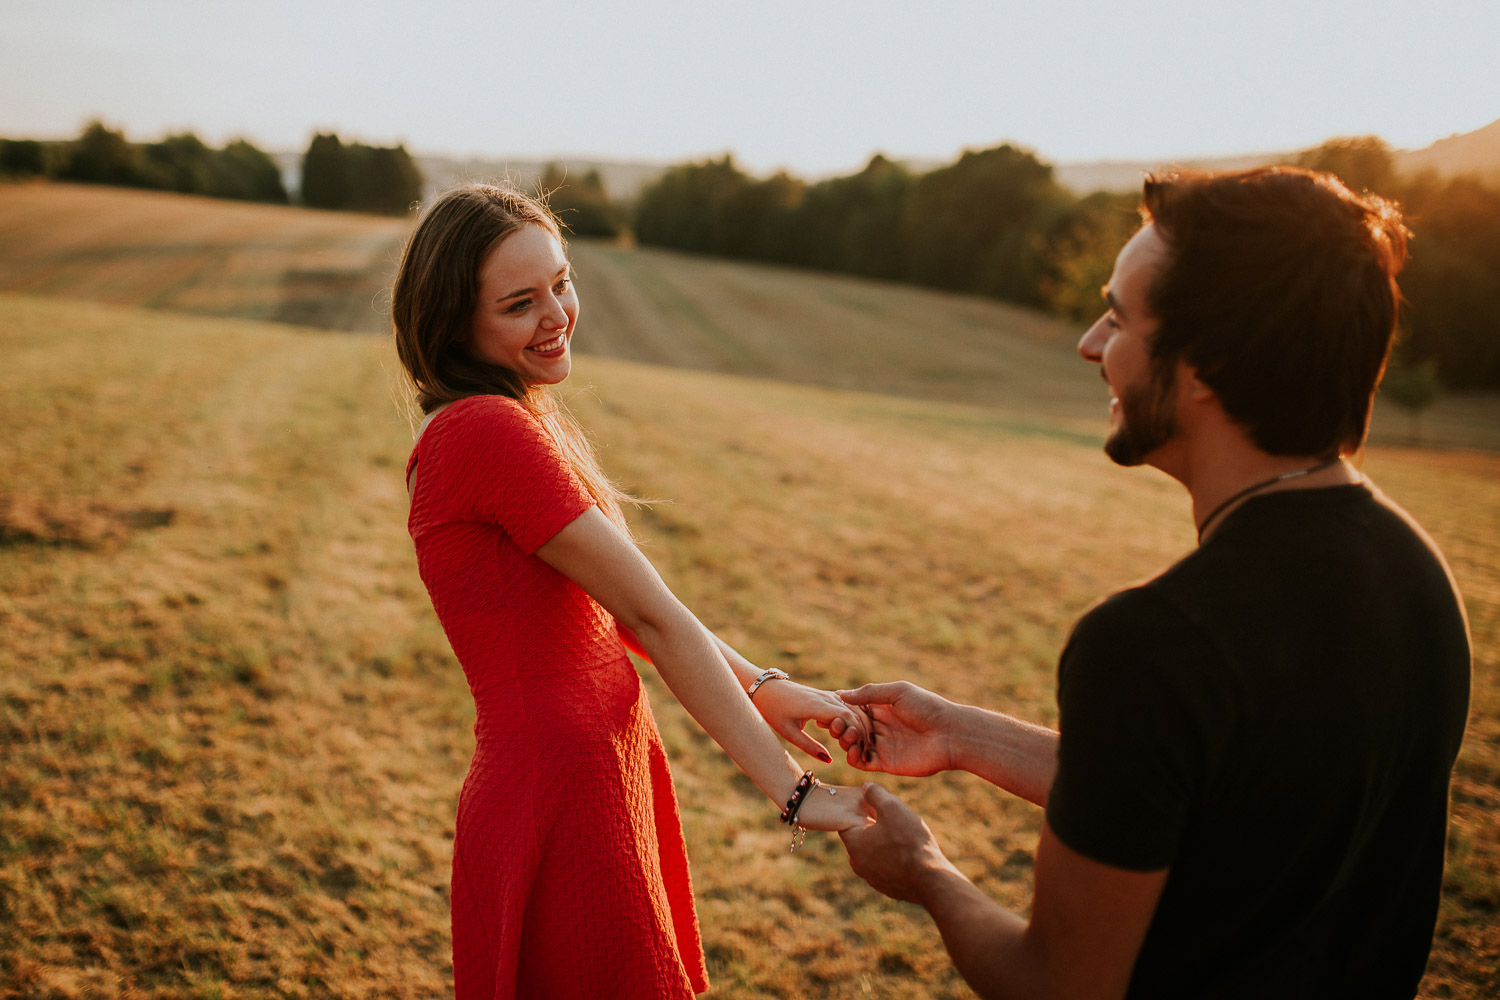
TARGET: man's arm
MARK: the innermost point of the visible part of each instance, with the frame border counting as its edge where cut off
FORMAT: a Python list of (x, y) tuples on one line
[(1087, 919), (919, 733)]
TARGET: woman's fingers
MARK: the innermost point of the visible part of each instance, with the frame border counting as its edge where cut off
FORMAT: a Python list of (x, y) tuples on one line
[(799, 739)]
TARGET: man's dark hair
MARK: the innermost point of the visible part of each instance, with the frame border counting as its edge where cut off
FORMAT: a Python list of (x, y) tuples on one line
[(1280, 290)]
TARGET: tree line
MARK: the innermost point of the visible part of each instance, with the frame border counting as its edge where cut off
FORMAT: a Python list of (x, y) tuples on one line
[(350, 176), (355, 177), (181, 162), (996, 222)]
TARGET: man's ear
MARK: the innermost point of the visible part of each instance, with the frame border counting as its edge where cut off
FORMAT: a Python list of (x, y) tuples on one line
[(1194, 387)]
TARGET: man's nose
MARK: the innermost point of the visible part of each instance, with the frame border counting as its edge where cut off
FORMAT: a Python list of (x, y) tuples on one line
[(1091, 344)]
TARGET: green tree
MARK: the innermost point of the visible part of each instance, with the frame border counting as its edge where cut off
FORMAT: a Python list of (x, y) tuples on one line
[(582, 205), (1412, 385), (359, 178), (1452, 284), (1080, 250), (243, 171), (22, 158), (324, 175), (970, 226), (854, 224), (686, 207), (102, 156), (179, 163), (1363, 163)]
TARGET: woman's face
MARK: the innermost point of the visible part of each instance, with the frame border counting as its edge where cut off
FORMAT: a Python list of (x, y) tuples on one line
[(526, 310)]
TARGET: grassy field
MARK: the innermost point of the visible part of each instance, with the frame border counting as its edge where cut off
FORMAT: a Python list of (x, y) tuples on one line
[(199, 255), (233, 733), (331, 270)]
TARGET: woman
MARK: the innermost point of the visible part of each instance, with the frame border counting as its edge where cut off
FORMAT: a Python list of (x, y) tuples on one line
[(570, 876)]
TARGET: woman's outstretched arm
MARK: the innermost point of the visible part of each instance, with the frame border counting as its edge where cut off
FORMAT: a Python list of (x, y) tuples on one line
[(597, 556), (786, 705)]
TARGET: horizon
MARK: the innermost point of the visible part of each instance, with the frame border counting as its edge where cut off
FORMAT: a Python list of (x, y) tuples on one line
[(816, 92)]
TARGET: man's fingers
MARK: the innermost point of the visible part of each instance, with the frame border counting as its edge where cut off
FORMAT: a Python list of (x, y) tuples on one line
[(873, 694), (879, 800)]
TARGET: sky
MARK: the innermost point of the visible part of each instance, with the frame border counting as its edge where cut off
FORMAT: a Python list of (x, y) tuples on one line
[(813, 86)]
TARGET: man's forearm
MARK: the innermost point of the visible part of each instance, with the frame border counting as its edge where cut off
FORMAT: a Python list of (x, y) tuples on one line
[(1018, 756), (986, 941)]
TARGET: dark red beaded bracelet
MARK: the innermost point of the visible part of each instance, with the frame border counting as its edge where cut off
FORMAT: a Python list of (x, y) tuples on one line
[(799, 795)]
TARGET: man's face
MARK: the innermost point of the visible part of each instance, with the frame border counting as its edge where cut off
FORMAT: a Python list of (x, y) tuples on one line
[(1142, 412)]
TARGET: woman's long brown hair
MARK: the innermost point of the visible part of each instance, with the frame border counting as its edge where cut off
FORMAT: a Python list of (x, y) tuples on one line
[(432, 312)]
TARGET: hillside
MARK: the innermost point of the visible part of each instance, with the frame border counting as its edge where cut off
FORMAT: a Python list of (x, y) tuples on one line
[(198, 255), (1476, 153), (234, 734), (332, 269)]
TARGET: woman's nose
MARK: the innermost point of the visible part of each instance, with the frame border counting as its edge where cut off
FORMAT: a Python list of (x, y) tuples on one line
[(555, 316)]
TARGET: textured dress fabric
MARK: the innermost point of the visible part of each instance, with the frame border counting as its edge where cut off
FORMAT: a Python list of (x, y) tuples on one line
[(570, 876)]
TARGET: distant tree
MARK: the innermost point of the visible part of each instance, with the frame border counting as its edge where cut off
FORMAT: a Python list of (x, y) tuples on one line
[(179, 163), (1363, 163), (358, 177), (325, 182), (382, 179), (1452, 284), (1411, 385), (756, 220), (243, 171), (22, 158), (1080, 250), (686, 207), (102, 156), (971, 226), (582, 204), (854, 224)]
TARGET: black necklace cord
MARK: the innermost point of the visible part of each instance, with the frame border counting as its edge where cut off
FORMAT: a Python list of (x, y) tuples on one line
[(1248, 490)]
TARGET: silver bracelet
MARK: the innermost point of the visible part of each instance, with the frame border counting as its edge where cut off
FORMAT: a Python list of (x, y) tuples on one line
[(770, 673)]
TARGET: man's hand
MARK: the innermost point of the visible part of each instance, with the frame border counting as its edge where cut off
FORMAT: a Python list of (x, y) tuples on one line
[(897, 851), (909, 730)]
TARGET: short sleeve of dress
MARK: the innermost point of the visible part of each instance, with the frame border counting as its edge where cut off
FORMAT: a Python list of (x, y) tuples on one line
[(499, 465), (1131, 724)]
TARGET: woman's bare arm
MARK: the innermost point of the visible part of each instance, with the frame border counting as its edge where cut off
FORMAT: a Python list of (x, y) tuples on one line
[(597, 556)]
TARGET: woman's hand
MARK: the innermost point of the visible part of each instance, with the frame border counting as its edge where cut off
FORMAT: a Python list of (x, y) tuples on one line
[(845, 809), (788, 706)]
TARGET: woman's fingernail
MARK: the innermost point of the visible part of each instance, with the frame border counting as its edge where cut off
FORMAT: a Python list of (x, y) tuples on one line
[(823, 756)]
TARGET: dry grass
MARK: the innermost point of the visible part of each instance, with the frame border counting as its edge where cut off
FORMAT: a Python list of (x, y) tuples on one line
[(233, 734), (200, 255), (331, 269)]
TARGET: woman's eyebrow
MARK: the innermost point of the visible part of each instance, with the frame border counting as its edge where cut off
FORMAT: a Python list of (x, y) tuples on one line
[(527, 291)]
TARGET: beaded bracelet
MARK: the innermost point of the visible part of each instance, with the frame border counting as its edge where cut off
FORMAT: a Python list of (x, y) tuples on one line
[(804, 788), (805, 784)]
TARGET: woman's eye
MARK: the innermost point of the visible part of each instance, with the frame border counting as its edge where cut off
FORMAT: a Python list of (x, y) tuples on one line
[(562, 286), (518, 306), (1112, 320)]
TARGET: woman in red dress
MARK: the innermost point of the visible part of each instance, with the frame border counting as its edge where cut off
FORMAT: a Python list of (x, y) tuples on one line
[(570, 878)]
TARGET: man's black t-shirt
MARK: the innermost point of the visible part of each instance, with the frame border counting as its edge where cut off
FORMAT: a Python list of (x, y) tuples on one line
[(1275, 719)]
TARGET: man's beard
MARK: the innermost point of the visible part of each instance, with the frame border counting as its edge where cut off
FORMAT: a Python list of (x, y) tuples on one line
[(1147, 420)]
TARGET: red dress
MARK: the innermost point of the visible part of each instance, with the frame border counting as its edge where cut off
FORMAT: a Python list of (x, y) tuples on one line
[(570, 876)]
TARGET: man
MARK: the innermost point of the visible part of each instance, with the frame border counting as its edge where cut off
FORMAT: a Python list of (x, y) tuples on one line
[(1248, 793)]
